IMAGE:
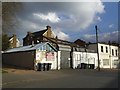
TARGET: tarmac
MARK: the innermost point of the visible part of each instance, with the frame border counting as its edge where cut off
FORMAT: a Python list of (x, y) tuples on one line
[(78, 78)]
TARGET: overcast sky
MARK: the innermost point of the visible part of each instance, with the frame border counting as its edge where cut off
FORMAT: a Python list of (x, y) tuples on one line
[(70, 20)]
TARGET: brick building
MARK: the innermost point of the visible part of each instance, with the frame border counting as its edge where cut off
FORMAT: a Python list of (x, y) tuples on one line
[(14, 42), (38, 37), (80, 42)]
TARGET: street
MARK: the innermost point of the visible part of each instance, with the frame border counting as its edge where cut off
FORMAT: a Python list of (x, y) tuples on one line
[(77, 78)]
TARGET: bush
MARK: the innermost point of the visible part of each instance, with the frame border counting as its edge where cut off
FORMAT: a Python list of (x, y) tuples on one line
[(3, 71)]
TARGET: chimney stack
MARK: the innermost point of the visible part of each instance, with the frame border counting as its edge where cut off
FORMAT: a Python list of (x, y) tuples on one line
[(48, 27), (14, 40), (49, 31), (29, 32), (109, 42)]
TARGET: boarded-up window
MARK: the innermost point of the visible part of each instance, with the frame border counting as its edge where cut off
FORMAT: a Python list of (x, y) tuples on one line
[(105, 62), (115, 62)]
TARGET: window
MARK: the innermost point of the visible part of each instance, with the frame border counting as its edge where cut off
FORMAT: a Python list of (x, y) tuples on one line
[(11, 41), (37, 41), (115, 63), (116, 52), (112, 52), (106, 49), (105, 62), (101, 48)]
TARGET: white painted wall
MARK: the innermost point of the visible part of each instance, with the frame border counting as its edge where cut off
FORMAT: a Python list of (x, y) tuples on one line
[(59, 59), (43, 60), (105, 56), (18, 43), (114, 62), (84, 57), (114, 57)]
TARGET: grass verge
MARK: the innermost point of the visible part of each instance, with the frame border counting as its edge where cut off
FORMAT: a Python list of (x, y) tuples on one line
[(3, 71)]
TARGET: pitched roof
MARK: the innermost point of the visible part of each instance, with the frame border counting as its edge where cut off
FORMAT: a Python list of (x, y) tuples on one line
[(39, 32), (79, 41), (10, 37), (28, 48), (63, 42)]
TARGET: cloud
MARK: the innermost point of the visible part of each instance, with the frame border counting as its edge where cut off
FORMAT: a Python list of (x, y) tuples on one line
[(52, 17), (105, 37), (81, 14), (99, 19), (66, 16), (61, 35), (111, 26)]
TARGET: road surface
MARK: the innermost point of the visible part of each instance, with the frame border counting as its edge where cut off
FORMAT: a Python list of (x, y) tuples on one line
[(62, 79)]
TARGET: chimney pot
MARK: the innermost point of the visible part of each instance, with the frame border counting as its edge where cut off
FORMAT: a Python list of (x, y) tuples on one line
[(48, 31), (48, 27), (29, 32)]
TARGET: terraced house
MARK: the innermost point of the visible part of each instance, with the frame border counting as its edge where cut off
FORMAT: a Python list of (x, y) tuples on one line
[(64, 47), (108, 54)]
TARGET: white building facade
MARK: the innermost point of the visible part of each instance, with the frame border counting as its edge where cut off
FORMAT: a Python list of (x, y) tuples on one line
[(108, 55), (84, 57), (114, 56)]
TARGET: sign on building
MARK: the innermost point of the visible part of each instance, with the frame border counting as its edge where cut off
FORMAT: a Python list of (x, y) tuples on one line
[(50, 55)]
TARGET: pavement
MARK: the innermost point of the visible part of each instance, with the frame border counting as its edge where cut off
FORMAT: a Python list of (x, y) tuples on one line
[(78, 78)]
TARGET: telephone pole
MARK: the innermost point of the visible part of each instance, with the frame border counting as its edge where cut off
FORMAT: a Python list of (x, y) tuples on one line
[(97, 48)]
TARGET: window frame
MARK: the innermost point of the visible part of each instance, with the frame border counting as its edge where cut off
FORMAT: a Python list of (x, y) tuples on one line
[(106, 49), (112, 52), (102, 49), (116, 51), (106, 62)]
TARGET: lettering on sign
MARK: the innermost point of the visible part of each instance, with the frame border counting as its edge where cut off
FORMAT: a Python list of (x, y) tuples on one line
[(50, 55)]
